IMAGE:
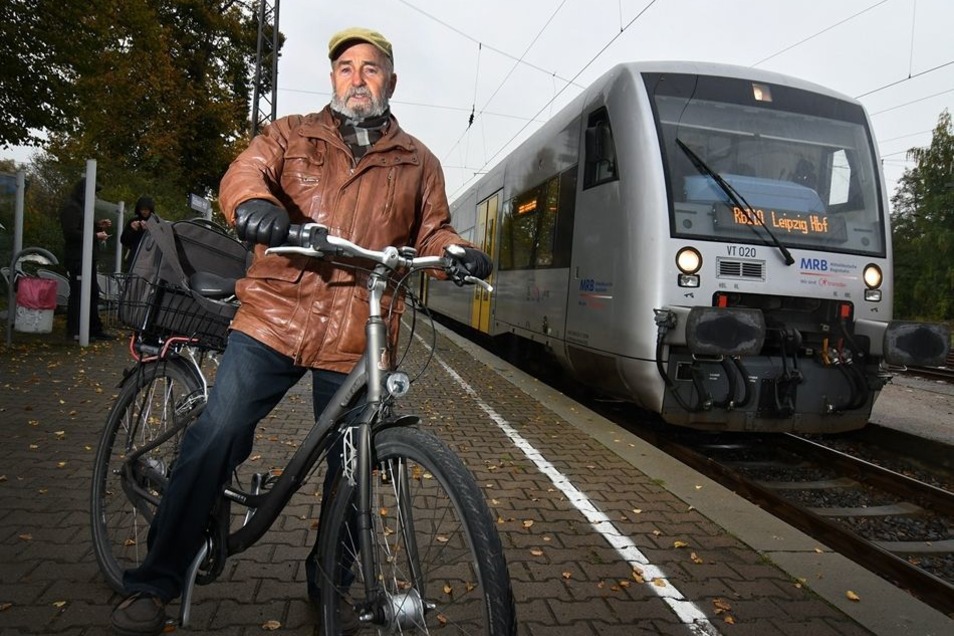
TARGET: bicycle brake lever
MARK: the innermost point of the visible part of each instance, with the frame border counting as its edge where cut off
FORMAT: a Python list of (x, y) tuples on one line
[(479, 282)]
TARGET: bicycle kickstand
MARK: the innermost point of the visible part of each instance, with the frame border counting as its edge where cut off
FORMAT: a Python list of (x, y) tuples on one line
[(188, 587)]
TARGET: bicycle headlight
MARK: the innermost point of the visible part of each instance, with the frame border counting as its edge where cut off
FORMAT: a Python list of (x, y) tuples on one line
[(398, 384)]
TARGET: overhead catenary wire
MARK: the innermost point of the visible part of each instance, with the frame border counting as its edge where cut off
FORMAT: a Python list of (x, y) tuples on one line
[(572, 81)]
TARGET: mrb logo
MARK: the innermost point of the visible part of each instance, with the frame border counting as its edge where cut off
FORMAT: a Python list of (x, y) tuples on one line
[(815, 264)]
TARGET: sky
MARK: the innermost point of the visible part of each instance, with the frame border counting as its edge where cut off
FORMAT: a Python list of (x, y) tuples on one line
[(514, 63)]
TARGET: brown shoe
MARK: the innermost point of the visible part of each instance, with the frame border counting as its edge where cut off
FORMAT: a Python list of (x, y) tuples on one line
[(139, 614)]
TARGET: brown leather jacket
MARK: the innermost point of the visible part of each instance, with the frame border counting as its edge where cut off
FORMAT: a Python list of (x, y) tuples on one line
[(305, 308)]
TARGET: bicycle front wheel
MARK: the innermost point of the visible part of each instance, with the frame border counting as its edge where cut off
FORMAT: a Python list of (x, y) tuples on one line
[(438, 560), (151, 412)]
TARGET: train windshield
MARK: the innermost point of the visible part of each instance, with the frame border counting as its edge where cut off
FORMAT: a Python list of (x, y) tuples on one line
[(802, 163)]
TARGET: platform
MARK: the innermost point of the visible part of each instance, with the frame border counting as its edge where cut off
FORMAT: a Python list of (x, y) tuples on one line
[(581, 504)]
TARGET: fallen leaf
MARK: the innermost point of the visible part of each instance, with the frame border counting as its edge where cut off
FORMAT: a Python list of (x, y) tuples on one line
[(59, 604), (26, 536), (567, 576), (680, 544), (695, 558), (528, 523), (271, 625), (659, 582), (448, 589), (5, 606), (536, 552), (721, 606), (638, 575), (852, 596), (729, 619)]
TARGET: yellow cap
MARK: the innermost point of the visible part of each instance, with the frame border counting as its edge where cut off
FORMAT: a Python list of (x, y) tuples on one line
[(339, 40)]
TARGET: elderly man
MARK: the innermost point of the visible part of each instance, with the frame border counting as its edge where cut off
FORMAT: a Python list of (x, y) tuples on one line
[(353, 169)]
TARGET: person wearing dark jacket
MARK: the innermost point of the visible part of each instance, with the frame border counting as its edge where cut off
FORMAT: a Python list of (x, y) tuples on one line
[(135, 229), (354, 169), (71, 219)]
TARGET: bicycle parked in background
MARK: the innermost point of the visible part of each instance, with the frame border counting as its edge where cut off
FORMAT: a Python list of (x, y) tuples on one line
[(405, 536)]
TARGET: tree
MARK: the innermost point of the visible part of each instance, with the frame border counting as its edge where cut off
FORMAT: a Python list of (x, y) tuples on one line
[(167, 94), (923, 230), (41, 42), (158, 91)]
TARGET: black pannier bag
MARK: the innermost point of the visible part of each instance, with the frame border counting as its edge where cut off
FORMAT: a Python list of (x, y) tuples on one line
[(157, 300)]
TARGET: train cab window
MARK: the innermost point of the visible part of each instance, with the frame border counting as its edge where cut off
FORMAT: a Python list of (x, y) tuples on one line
[(600, 165)]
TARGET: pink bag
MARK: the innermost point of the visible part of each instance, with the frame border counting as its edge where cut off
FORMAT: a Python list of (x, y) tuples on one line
[(36, 293)]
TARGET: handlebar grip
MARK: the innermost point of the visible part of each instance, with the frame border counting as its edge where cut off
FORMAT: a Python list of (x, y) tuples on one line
[(295, 232)]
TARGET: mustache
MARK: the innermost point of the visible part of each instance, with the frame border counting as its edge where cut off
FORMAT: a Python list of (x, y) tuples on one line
[(358, 91)]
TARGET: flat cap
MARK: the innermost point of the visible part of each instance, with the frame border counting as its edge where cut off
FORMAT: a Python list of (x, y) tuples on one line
[(339, 41)]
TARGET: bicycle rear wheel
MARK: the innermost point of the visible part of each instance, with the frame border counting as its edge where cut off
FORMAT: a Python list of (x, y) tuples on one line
[(438, 558), (153, 407)]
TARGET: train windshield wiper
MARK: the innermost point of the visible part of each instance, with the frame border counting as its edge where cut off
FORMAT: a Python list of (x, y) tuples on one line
[(737, 199)]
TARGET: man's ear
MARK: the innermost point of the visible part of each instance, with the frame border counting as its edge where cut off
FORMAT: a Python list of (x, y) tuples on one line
[(393, 85)]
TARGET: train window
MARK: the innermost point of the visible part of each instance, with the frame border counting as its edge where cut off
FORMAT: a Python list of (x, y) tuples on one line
[(600, 166), (537, 225), (803, 163)]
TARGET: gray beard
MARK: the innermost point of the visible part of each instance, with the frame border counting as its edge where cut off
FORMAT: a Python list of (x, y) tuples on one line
[(377, 108)]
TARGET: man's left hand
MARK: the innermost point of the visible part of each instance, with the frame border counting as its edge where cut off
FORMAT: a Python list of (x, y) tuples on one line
[(476, 262)]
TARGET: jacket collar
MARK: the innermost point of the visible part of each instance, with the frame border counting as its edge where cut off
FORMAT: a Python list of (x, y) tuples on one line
[(322, 125)]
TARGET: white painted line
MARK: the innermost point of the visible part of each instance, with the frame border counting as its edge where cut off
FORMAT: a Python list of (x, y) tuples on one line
[(656, 580)]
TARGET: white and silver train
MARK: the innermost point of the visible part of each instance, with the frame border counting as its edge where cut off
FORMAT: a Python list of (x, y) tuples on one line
[(709, 242)]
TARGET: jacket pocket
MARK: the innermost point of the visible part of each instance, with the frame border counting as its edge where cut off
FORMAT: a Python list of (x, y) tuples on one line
[(303, 165)]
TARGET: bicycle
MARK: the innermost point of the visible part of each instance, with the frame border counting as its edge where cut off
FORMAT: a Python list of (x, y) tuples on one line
[(406, 540)]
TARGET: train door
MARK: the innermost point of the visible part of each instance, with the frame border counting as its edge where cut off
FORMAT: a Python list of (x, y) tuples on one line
[(596, 241), (485, 239)]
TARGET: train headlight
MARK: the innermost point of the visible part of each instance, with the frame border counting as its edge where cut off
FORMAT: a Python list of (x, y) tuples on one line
[(689, 260), (873, 276), (873, 279)]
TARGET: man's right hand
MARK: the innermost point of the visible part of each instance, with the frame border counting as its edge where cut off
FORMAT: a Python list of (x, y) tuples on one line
[(261, 221)]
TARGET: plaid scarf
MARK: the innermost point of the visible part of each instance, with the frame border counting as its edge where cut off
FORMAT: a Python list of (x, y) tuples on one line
[(361, 135)]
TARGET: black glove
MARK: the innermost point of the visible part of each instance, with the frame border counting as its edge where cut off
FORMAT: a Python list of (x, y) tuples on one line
[(261, 221), (475, 262)]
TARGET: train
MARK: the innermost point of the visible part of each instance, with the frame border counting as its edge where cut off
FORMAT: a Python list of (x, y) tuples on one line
[(709, 242)]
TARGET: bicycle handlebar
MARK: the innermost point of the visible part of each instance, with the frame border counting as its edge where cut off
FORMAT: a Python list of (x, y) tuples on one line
[(313, 240)]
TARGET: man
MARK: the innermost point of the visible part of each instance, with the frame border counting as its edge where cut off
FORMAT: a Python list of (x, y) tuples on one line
[(72, 215), (135, 229), (352, 168)]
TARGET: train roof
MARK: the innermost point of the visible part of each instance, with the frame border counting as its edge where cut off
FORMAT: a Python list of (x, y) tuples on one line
[(629, 72), (722, 70)]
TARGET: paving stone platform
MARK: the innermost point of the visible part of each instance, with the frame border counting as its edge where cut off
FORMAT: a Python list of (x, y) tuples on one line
[(578, 502)]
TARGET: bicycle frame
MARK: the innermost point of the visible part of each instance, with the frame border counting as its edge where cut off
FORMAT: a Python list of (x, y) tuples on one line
[(367, 381)]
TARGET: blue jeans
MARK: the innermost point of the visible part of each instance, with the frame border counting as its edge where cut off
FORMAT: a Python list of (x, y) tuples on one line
[(251, 380)]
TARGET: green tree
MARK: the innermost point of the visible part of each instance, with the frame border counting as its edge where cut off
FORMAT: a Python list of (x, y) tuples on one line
[(923, 230), (167, 94), (157, 91), (40, 43)]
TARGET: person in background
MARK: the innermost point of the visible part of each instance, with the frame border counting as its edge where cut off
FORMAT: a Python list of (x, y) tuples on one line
[(72, 215), (135, 229), (352, 168)]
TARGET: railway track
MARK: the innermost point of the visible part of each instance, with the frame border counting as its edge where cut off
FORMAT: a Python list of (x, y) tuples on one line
[(898, 523), (945, 372)]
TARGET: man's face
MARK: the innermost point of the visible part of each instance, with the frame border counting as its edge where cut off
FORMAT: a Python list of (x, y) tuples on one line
[(362, 82)]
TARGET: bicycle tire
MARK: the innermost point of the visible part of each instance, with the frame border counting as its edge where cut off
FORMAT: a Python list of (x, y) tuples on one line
[(154, 400), (441, 516)]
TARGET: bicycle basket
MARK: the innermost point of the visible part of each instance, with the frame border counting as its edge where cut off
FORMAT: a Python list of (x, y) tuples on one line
[(162, 310), (155, 298)]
